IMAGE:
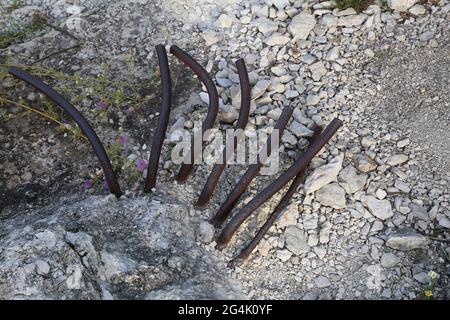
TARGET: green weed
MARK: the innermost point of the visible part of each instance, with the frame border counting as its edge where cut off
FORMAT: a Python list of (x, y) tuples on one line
[(15, 32), (358, 5)]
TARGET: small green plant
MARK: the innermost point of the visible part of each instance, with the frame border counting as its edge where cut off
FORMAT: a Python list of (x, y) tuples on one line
[(107, 94), (358, 5), (114, 152), (131, 169), (105, 97), (15, 32), (46, 112), (427, 292), (15, 4), (129, 61)]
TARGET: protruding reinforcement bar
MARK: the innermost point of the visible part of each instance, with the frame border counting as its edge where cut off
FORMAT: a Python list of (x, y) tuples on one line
[(252, 170), (213, 108), (276, 213), (164, 114), (79, 119), (300, 164), (242, 121)]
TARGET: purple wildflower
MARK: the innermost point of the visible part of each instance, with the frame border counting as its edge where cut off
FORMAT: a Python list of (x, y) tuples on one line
[(130, 110), (141, 165), (87, 183), (105, 184), (122, 139), (102, 105)]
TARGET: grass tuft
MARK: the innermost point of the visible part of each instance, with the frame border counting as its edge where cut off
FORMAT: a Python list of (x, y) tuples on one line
[(16, 32), (15, 4), (117, 96), (358, 5)]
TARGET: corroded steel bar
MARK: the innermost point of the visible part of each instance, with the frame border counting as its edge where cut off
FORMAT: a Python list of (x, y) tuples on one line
[(251, 172), (79, 119), (164, 113), (276, 213), (300, 164), (213, 107), (242, 121)]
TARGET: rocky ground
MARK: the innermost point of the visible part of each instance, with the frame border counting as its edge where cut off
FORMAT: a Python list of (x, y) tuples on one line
[(370, 222)]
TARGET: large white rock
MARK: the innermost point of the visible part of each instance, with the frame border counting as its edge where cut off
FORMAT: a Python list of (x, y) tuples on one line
[(312, 99), (276, 39), (264, 248), (401, 5), (300, 130), (44, 257), (365, 164), (317, 70), (418, 10), (224, 21), (301, 25), (259, 88), (210, 37), (322, 282), (291, 94), (266, 26), (296, 240), (407, 240), (397, 159), (352, 21), (331, 195), (289, 217), (284, 255), (280, 4), (389, 260), (329, 20), (288, 138), (205, 232), (324, 175), (382, 209), (351, 180), (74, 10), (347, 12), (333, 53), (228, 114), (444, 221)]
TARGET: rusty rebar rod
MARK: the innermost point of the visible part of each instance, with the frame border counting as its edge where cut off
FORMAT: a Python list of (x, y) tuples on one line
[(79, 119), (242, 121), (276, 213), (213, 107), (166, 105), (252, 171), (300, 164)]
